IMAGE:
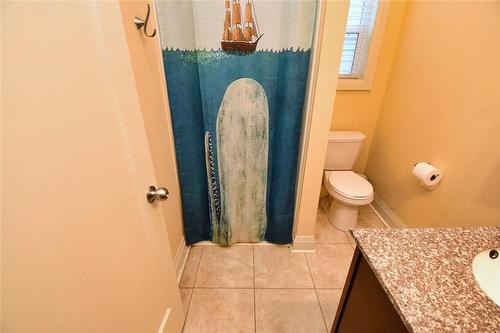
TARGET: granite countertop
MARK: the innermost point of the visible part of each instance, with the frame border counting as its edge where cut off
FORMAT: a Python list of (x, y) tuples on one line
[(427, 274)]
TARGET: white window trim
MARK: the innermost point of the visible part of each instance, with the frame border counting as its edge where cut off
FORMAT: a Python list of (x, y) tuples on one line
[(348, 82)]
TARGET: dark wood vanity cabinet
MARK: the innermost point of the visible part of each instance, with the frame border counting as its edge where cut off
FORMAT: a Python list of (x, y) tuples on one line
[(364, 305)]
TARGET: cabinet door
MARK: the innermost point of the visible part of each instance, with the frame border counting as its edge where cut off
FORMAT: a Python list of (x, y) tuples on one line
[(364, 305)]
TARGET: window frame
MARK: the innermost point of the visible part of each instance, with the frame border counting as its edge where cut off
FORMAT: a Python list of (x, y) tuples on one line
[(351, 82)]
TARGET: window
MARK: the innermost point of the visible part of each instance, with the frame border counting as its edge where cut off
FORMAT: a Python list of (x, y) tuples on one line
[(365, 25)]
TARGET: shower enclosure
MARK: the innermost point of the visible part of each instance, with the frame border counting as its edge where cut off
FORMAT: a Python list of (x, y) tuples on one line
[(236, 74)]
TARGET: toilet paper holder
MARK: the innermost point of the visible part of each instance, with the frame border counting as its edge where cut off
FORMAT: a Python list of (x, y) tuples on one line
[(432, 178)]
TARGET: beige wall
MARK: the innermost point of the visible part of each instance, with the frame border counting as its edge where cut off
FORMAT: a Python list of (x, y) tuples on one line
[(442, 105), (148, 71), (359, 110)]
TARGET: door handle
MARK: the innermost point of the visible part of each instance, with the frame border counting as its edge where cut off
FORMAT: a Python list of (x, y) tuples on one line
[(153, 194)]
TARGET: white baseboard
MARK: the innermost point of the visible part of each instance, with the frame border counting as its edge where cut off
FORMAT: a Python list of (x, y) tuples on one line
[(387, 216), (204, 243), (304, 244), (180, 258), (163, 324)]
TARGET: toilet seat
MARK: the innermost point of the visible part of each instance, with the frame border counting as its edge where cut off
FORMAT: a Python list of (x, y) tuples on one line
[(349, 187), (350, 184)]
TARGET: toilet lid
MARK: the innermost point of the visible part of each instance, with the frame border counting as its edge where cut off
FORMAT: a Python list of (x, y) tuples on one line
[(350, 184)]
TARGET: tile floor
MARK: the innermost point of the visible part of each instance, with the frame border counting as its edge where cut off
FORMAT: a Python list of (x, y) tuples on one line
[(266, 288)]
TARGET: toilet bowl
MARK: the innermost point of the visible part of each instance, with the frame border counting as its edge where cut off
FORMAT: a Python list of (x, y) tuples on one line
[(349, 191)]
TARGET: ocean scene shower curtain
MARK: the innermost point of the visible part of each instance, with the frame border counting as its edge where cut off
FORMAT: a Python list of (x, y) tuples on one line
[(236, 74)]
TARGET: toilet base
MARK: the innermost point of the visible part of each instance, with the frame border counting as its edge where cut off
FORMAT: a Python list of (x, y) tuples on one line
[(344, 217)]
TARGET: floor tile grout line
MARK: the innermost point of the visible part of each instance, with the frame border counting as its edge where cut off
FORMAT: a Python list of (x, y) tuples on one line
[(316, 289), (189, 302), (188, 306), (254, 305), (192, 289), (253, 266), (333, 242), (330, 288), (331, 224), (198, 266), (248, 288), (267, 288), (317, 297)]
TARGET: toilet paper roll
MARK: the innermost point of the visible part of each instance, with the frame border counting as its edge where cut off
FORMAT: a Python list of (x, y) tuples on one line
[(428, 175)]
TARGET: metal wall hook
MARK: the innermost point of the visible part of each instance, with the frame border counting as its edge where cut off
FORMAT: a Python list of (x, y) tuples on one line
[(140, 23)]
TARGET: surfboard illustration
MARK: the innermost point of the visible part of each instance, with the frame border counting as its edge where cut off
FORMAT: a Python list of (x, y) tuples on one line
[(242, 150)]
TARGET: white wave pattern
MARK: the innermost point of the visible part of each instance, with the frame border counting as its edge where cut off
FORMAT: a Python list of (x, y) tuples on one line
[(198, 24)]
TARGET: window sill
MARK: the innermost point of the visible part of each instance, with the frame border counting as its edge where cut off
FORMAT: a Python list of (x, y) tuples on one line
[(354, 84)]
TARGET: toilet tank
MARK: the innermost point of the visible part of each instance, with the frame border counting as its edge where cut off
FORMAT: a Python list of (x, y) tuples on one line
[(343, 149)]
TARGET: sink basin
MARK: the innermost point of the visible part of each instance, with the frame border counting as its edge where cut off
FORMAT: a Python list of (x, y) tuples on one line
[(486, 270)]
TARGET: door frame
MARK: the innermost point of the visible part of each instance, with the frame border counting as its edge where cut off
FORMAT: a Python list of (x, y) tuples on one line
[(148, 69), (331, 20)]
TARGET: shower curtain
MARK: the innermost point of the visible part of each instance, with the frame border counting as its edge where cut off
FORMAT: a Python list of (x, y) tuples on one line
[(236, 73)]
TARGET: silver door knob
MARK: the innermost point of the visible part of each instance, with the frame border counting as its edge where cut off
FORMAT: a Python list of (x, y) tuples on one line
[(154, 193)]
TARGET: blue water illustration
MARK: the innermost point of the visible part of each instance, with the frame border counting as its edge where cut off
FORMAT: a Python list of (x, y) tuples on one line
[(197, 81)]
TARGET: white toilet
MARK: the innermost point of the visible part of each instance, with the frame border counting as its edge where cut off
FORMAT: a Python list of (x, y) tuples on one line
[(347, 189)]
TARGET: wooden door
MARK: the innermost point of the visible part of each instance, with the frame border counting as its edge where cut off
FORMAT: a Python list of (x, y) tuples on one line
[(82, 249)]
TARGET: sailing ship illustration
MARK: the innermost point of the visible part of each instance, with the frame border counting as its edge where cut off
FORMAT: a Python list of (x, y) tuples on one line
[(238, 37)]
